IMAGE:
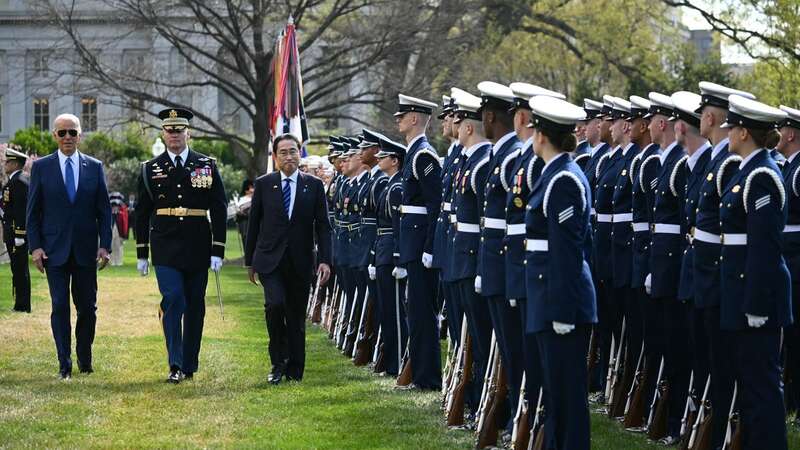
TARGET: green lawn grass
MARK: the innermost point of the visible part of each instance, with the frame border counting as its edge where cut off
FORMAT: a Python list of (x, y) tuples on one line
[(126, 403)]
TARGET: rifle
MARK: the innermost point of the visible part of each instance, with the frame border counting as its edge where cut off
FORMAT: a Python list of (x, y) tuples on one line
[(406, 377), (733, 432), (615, 389), (701, 429), (316, 309), (355, 324), (520, 433), (333, 310), (593, 356), (347, 322), (380, 354), (341, 316), (454, 404), (536, 441), (634, 407), (657, 420), (441, 320), (689, 415), (366, 333), (397, 322), (487, 380), (447, 374), (487, 434)]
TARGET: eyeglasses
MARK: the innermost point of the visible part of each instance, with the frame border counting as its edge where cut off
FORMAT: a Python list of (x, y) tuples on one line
[(174, 129), (62, 133)]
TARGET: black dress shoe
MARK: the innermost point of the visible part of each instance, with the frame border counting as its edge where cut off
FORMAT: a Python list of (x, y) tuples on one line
[(175, 376), (275, 378), (669, 440), (65, 375)]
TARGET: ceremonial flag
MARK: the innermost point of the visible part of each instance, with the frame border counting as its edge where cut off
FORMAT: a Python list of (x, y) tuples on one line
[(287, 113)]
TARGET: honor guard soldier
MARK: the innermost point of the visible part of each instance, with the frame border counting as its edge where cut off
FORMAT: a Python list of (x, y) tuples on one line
[(561, 297), (590, 129), (443, 240), (597, 136), (179, 191), (12, 205), (331, 192), (756, 299), (789, 146), (467, 201), (666, 236), (422, 195), (389, 276), (490, 280), (707, 248)]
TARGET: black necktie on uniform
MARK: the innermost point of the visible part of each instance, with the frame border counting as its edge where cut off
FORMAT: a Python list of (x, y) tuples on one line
[(178, 163)]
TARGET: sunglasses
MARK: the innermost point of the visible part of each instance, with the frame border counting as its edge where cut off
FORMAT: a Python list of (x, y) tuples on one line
[(62, 133), (175, 129)]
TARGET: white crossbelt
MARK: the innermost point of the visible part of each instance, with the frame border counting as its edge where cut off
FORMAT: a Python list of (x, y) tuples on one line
[(734, 239), (446, 206), (495, 224), (409, 209), (536, 245), (791, 228), (667, 228), (704, 236), (468, 227), (453, 218), (620, 218), (605, 218), (640, 226), (515, 229)]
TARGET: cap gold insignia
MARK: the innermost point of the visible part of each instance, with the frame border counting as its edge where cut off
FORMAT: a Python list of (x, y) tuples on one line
[(736, 189), (173, 114)]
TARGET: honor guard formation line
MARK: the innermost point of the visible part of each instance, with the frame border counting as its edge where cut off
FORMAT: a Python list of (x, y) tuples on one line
[(637, 256)]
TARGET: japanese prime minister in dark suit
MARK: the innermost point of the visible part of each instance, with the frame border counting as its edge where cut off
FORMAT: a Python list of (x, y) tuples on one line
[(288, 216), (68, 215)]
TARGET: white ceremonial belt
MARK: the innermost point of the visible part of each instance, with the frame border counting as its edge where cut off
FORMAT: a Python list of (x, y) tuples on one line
[(640, 226), (704, 236), (667, 228), (408, 209), (495, 224), (620, 218), (515, 229), (605, 218), (536, 245), (468, 227), (734, 239), (453, 218), (447, 206), (791, 228)]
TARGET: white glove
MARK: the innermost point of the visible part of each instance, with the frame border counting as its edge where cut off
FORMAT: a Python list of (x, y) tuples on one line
[(19, 242), (399, 273), (216, 263), (427, 260), (371, 271), (648, 283), (512, 302), (143, 266), (562, 328), (478, 285), (756, 321)]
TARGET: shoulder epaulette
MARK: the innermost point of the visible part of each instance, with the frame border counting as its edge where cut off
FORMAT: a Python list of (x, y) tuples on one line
[(510, 157), (555, 178), (775, 178), (382, 179), (721, 172), (424, 151), (674, 174)]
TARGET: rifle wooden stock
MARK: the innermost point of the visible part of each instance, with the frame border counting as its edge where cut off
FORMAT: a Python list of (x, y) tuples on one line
[(536, 440), (733, 431), (316, 306), (654, 403), (455, 409), (488, 379), (520, 430), (365, 343), (487, 435), (615, 406), (459, 369), (658, 427), (700, 438), (405, 377), (687, 421), (593, 356), (380, 359), (634, 404)]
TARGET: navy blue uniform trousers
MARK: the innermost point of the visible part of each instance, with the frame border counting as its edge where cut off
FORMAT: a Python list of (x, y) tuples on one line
[(424, 351), (183, 300), (392, 313)]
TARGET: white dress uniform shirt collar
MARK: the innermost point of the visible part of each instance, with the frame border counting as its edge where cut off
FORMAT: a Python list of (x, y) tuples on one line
[(693, 159), (749, 157), (183, 154), (500, 142)]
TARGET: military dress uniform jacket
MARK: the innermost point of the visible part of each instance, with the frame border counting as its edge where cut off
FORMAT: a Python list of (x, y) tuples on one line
[(582, 155), (448, 204), (706, 255), (171, 214), (491, 258), (339, 231), (520, 175), (440, 256), (668, 235), (387, 242), (466, 198), (692, 180), (422, 197), (608, 169), (349, 222), (367, 207), (590, 169), (621, 231), (558, 280), (644, 176), (791, 232), (755, 279), (14, 200), (330, 194)]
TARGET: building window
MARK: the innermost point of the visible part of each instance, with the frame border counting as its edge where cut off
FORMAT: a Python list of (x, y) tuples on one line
[(41, 113), (89, 113), (39, 64)]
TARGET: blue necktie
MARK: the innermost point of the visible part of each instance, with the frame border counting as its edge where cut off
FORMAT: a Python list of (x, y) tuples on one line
[(69, 180), (287, 195)]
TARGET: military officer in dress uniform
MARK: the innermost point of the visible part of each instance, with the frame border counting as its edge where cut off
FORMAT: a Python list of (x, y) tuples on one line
[(561, 297), (178, 191), (12, 205), (467, 198), (422, 194), (756, 298), (666, 239), (789, 146), (490, 280), (390, 278), (707, 248), (331, 192)]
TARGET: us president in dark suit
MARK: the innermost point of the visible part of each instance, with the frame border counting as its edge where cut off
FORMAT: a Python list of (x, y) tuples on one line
[(288, 216), (68, 215)]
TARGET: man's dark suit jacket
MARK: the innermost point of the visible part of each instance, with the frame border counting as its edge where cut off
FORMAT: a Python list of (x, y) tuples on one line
[(271, 233), (60, 227)]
